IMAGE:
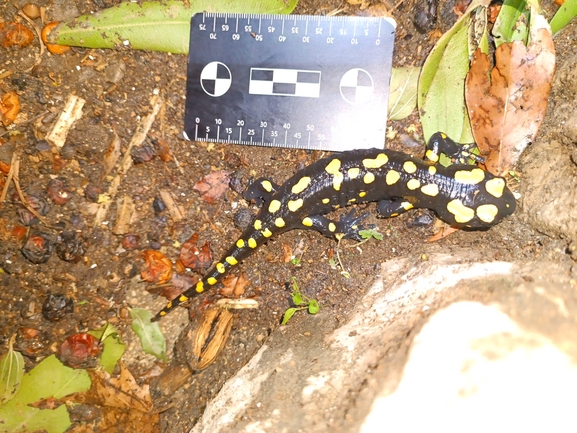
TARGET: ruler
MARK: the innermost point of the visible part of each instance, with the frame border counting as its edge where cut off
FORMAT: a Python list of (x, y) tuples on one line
[(295, 81)]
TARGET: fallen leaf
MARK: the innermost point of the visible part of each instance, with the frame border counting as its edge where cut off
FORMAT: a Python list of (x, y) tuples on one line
[(508, 104), (157, 268), (213, 185), (148, 333), (234, 285), (15, 35), (163, 150), (112, 154), (193, 257), (9, 107), (124, 404), (79, 351)]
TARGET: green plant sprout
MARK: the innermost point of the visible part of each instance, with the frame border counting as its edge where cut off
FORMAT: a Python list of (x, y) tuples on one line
[(301, 303)]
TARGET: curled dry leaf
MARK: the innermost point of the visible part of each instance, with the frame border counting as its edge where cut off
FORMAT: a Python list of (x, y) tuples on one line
[(213, 185), (157, 268), (15, 35), (9, 107), (208, 337), (53, 48), (234, 285), (508, 105), (79, 351), (193, 257)]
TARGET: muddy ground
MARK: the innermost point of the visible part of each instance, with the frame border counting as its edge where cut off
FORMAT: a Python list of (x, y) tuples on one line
[(118, 85)]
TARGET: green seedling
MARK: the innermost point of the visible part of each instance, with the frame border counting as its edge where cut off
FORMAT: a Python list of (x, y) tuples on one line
[(301, 302)]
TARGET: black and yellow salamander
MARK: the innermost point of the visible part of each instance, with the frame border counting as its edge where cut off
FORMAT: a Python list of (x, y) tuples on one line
[(463, 196)]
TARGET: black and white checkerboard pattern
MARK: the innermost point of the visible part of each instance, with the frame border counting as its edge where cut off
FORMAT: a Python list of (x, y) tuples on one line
[(286, 82), (215, 79)]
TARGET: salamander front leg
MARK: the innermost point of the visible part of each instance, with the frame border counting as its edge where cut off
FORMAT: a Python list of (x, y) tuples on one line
[(460, 153)]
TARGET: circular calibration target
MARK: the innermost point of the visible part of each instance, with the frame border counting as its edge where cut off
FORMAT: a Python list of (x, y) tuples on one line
[(215, 79), (356, 86)]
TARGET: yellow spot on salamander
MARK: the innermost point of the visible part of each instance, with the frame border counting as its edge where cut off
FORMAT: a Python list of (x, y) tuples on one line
[(169, 305), (274, 206), (266, 185), (369, 178), (392, 177), (257, 224), (162, 313), (431, 156), (410, 167), (183, 298), (470, 177), (354, 172), (199, 287), (461, 212), (339, 236), (407, 205), (220, 268), (326, 200), (378, 162), (362, 194), (240, 243), (307, 222), (352, 200), (495, 186), (231, 260), (294, 205), (301, 185), (487, 212), (211, 280), (432, 170), (332, 227), (333, 168), (266, 233), (252, 243), (413, 184), (443, 135), (279, 222), (430, 189)]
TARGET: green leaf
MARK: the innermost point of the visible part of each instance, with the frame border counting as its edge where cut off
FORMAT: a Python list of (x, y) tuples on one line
[(512, 23), (564, 15), (441, 93), (296, 294), (113, 346), (50, 378), (314, 306), (156, 26), (403, 92), (287, 315), (371, 233), (11, 372), (148, 333)]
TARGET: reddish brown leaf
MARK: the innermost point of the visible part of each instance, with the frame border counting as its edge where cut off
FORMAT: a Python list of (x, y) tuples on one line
[(213, 185), (163, 149), (193, 257), (508, 105), (234, 285), (9, 107), (287, 253), (4, 168), (157, 268), (79, 351), (15, 35)]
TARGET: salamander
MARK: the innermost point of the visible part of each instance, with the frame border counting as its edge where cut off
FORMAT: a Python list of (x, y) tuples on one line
[(464, 196)]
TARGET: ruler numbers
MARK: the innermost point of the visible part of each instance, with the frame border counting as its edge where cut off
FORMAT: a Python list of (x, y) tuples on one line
[(289, 80)]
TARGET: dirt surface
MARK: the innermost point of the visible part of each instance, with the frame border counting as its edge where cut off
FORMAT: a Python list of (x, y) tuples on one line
[(117, 86)]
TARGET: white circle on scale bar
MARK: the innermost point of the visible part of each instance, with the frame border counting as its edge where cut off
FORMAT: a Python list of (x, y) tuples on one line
[(356, 86), (215, 79)]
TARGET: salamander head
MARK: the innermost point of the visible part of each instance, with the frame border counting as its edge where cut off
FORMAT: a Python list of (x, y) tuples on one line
[(486, 203)]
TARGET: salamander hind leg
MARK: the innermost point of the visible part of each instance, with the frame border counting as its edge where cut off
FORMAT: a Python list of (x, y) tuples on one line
[(348, 226), (261, 190), (393, 207)]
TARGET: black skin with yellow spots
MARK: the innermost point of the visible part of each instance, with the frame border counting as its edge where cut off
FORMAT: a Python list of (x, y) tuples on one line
[(463, 196)]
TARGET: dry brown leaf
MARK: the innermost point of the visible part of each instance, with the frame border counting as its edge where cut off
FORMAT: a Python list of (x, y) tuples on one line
[(157, 268), (234, 285), (15, 35), (9, 107), (125, 405), (507, 106), (213, 185), (194, 257), (112, 155)]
